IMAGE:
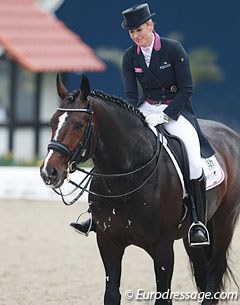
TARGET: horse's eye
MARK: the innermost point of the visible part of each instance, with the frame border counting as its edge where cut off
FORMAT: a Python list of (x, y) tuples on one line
[(78, 126)]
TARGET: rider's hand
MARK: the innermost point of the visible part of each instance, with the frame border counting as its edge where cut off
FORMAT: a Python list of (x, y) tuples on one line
[(156, 119)]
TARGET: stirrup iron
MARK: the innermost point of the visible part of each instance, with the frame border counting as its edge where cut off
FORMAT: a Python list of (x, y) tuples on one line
[(90, 225), (198, 224)]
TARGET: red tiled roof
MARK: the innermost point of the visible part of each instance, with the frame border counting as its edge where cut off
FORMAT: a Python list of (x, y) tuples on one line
[(42, 43)]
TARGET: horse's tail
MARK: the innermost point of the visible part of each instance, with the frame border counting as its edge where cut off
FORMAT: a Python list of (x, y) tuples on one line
[(229, 274)]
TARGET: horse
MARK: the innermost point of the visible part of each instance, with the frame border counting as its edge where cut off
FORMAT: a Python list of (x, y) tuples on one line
[(135, 196)]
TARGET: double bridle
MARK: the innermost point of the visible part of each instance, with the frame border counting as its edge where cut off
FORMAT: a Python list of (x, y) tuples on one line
[(80, 155)]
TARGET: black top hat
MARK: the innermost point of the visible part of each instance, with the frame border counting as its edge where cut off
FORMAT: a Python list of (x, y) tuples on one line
[(135, 16)]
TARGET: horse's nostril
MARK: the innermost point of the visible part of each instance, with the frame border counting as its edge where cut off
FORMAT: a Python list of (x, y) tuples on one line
[(53, 172)]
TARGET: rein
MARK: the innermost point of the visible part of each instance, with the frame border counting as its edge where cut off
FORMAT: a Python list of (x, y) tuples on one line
[(79, 155), (91, 174)]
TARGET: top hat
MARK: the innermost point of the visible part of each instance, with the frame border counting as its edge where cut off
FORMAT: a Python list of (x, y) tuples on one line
[(135, 16)]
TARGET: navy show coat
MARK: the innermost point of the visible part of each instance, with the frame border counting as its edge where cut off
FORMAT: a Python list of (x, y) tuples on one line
[(168, 77)]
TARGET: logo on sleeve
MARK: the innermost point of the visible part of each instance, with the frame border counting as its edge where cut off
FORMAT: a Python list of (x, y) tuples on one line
[(165, 65)]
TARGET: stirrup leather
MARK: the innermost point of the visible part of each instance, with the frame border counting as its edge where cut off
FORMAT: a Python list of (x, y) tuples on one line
[(198, 224)]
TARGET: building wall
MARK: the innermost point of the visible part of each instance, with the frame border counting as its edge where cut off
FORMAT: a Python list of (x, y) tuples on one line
[(19, 124)]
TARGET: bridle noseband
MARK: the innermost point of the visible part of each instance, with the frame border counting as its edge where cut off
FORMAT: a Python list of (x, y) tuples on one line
[(78, 155)]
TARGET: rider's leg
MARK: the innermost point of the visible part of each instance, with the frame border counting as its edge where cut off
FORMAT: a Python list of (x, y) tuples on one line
[(198, 234)]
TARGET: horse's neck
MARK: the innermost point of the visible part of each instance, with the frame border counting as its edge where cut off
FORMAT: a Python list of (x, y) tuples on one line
[(122, 144)]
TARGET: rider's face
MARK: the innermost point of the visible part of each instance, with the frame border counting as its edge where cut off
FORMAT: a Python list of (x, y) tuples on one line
[(142, 35)]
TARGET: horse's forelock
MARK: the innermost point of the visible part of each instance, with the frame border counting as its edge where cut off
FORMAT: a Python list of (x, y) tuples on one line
[(70, 99)]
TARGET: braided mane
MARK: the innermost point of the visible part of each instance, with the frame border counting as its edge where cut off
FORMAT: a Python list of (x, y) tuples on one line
[(121, 102)]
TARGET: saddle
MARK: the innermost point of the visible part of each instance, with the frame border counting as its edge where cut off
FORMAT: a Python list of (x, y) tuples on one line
[(213, 171), (177, 148)]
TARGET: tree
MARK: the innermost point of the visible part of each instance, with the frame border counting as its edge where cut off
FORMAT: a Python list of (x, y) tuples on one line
[(204, 67)]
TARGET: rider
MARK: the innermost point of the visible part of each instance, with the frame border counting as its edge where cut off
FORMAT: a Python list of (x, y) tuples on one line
[(161, 67)]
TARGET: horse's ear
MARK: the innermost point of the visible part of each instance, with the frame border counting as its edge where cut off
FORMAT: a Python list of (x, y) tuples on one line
[(61, 89), (85, 87)]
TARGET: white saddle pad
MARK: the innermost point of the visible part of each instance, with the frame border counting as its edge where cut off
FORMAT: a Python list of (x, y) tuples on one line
[(213, 172)]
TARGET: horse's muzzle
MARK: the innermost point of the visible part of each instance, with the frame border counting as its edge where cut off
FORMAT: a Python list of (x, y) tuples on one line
[(51, 177)]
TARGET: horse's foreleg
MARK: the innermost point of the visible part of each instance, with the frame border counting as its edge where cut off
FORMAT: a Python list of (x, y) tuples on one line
[(112, 258), (163, 265)]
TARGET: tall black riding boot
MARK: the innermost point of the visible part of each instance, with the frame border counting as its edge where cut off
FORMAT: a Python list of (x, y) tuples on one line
[(84, 227), (198, 234)]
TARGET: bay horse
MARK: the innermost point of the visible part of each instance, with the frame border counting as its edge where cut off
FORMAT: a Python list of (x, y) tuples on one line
[(136, 196)]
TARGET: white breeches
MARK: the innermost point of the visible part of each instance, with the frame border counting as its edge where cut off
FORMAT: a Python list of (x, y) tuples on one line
[(183, 129)]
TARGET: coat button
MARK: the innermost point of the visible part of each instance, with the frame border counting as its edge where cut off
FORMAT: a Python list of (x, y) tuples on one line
[(163, 97), (173, 89)]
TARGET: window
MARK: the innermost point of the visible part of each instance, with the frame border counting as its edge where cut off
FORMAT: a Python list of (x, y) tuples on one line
[(4, 89), (25, 86)]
